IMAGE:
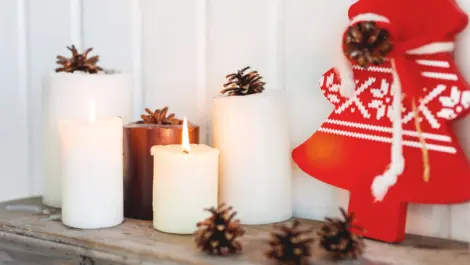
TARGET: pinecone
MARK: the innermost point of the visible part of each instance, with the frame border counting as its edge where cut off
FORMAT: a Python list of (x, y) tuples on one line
[(290, 245), (217, 235), (241, 84), (78, 62), (338, 239), (159, 117), (366, 44)]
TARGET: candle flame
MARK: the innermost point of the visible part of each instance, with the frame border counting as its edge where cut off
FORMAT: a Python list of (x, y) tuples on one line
[(185, 141), (92, 114)]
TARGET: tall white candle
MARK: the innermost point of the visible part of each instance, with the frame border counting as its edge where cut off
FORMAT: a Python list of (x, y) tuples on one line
[(66, 97), (92, 175), (185, 183), (255, 164)]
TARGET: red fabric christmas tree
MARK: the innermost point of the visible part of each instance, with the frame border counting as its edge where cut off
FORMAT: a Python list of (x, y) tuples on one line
[(366, 135)]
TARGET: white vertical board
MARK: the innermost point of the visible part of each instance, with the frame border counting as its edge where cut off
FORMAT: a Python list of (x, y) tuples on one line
[(110, 27), (460, 214), (107, 28), (312, 41), (171, 35), (244, 33), (14, 156), (49, 34)]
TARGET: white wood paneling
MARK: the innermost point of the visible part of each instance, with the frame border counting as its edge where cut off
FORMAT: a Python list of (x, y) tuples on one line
[(179, 52), (49, 34), (14, 158), (113, 29), (460, 214), (171, 31), (312, 39), (244, 33)]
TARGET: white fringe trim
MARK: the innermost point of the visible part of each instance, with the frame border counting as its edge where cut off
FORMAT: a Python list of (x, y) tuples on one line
[(383, 183), (345, 72), (369, 17)]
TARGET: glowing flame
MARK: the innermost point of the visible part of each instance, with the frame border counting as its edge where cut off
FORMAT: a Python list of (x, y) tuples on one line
[(92, 114), (185, 141)]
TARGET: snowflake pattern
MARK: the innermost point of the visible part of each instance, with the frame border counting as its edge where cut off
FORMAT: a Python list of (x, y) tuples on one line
[(453, 105), (382, 101), (373, 101)]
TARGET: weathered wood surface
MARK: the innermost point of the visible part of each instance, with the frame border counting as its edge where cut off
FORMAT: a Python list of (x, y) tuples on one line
[(25, 238)]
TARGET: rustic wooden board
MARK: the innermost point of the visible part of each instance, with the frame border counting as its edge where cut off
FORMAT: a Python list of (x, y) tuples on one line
[(25, 234)]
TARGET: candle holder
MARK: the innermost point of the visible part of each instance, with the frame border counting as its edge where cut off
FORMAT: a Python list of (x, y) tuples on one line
[(66, 96), (139, 137)]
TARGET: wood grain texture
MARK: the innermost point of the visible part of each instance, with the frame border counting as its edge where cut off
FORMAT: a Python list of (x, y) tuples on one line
[(136, 242)]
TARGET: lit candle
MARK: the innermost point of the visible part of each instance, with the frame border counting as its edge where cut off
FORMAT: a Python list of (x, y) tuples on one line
[(185, 183), (92, 175)]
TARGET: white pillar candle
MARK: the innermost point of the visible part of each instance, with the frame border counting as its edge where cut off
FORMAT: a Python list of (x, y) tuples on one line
[(66, 96), (185, 183), (92, 176), (255, 164)]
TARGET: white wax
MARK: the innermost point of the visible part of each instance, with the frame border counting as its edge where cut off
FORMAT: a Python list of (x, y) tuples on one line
[(92, 174), (184, 185), (255, 162), (67, 97)]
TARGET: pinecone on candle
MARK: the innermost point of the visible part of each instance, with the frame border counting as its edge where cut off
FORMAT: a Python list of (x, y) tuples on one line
[(366, 44), (218, 234), (290, 245), (78, 62), (159, 117), (242, 84), (337, 238)]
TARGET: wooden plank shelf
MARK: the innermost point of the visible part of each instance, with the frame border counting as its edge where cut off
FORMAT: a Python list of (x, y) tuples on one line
[(27, 238)]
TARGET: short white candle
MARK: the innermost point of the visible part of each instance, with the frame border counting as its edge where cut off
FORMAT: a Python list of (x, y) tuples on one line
[(185, 183), (92, 184)]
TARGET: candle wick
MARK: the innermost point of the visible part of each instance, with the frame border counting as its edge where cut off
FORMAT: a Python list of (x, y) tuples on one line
[(186, 152)]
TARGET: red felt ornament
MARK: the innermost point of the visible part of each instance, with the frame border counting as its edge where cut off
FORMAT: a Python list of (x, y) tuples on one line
[(391, 143)]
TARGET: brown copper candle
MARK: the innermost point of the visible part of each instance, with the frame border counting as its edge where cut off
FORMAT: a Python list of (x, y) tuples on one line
[(138, 163)]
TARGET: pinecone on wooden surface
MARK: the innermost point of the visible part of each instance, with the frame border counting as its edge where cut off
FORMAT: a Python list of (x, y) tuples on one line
[(290, 245), (337, 238), (242, 84), (218, 234), (78, 62), (159, 117), (366, 44)]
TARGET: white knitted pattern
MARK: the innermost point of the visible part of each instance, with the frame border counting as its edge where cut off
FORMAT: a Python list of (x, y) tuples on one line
[(388, 139), (434, 63), (383, 129), (443, 76), (423, 108), (373, 69), (356, 101)]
